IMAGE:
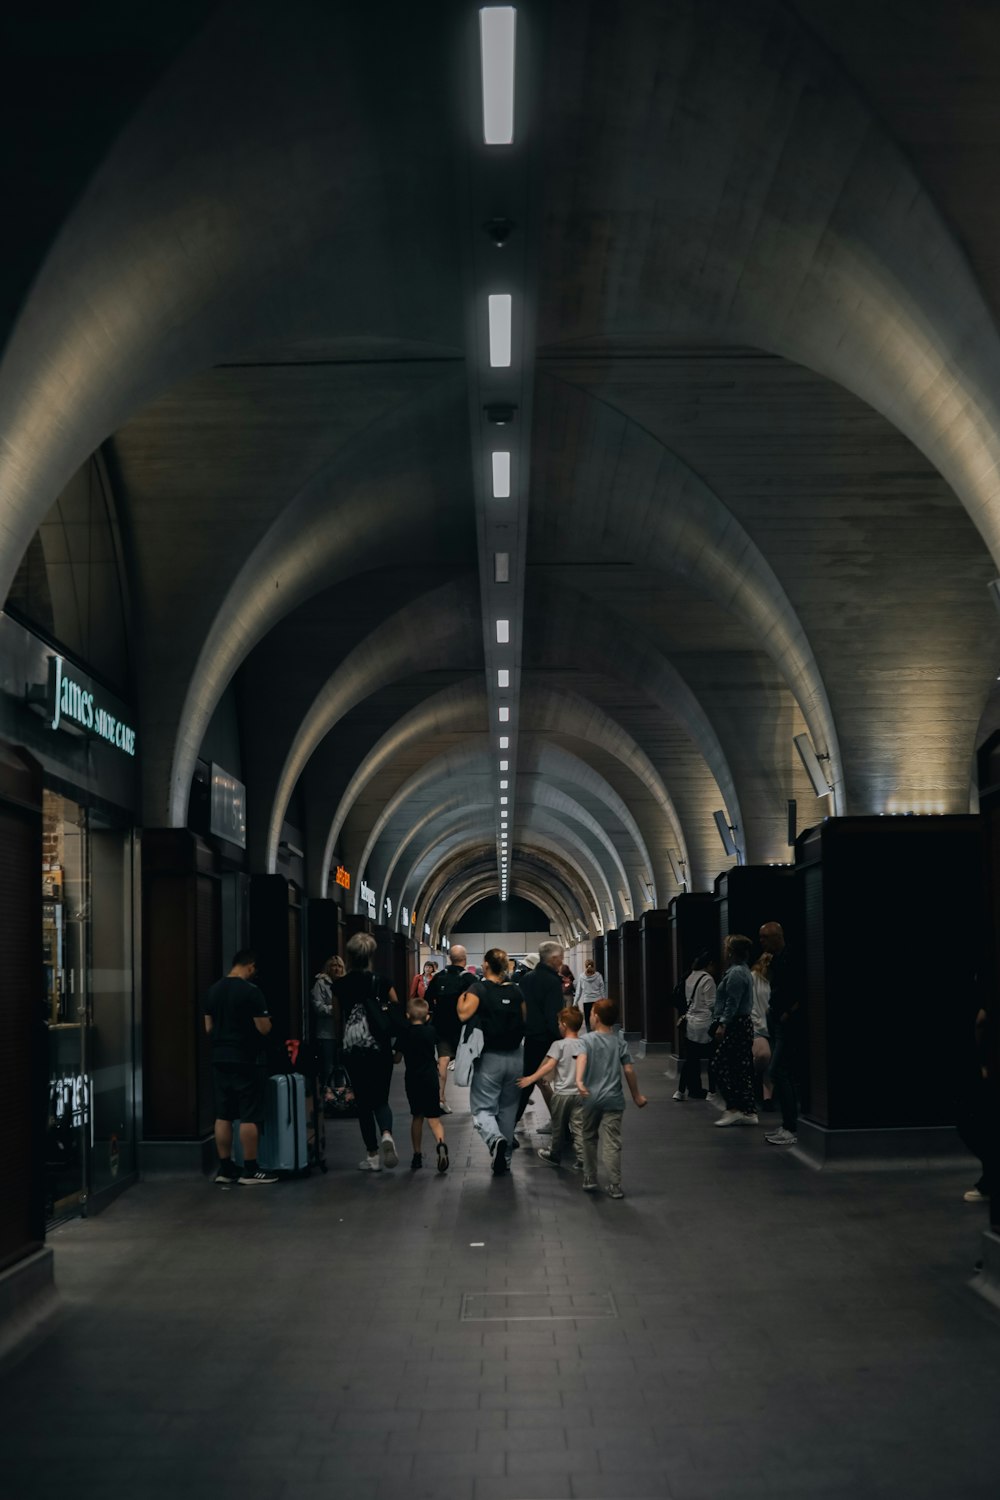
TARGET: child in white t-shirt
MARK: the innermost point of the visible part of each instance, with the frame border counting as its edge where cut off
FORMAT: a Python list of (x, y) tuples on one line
[(566, 1101)]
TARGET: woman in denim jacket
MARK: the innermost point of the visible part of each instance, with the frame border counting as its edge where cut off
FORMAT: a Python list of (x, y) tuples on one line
[(733, 1021)]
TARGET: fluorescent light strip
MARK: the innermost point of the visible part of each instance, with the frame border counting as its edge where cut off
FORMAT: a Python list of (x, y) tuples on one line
[(501, 567), (497, 37), (503, 677), (503, 801), (503, 632), (504, 715), (500, 317), (501, 476), (504, 741), (505, 765), (504, 785)]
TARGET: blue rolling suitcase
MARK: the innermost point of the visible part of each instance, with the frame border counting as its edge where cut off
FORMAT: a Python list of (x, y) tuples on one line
[(283, 1143)]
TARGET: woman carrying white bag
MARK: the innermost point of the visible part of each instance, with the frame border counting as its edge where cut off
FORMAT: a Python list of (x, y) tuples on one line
[(498, 1008)]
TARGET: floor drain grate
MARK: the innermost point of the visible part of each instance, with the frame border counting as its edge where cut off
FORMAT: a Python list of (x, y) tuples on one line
[(521, 1307)]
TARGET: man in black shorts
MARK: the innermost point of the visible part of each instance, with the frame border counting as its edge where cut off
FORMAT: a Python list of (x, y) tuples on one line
[(236, 1018), (442, 997)]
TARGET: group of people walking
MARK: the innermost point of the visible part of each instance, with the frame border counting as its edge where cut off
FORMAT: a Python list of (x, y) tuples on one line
[(745, 1027), (525, 1033)]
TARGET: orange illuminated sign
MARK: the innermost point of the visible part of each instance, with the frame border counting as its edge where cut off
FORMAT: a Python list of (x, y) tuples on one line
[(343, 877)]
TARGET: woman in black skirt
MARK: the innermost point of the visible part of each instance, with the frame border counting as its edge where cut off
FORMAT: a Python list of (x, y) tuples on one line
[(733, 1020)]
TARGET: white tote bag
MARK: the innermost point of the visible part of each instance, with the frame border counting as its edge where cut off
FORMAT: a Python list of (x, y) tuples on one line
[(467, 1054)]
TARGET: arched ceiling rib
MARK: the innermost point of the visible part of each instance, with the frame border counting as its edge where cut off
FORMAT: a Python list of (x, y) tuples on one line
[(580, 871), (458, 863)]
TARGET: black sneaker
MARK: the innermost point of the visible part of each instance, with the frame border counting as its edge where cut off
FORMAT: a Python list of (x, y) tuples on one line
[(227, 1175), (260, 1178), (443, 1162), (417, 1162), (498, 1151)]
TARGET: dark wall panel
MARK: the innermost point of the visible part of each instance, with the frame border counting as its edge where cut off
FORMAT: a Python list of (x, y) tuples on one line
[(23, 1059)]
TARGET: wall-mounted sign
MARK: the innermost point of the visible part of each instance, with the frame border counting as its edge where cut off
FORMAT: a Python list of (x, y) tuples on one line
[(388, 908), (227, 817), (343, 877), (368, 899), (427, 929), (76, 704), (406, 917)]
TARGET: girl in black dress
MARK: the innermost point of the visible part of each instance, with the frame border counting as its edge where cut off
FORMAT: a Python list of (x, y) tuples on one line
[(417, 1046)]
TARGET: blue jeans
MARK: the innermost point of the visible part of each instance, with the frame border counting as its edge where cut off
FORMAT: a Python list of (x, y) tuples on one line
[(494, 1095)]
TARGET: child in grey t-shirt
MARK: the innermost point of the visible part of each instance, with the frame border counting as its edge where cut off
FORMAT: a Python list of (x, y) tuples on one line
[(599, 1072), (561, 1060)]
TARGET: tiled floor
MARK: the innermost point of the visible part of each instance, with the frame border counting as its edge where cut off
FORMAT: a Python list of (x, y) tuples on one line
[(778, 1334)]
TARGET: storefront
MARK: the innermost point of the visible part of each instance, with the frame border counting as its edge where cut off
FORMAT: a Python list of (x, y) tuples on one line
[(82, 737)]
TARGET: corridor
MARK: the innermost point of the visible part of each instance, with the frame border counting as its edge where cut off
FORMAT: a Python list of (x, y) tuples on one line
[(769, 1332)]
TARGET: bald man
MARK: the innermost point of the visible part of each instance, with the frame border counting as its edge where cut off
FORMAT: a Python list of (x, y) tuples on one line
[(783, 1024), (442, 997)]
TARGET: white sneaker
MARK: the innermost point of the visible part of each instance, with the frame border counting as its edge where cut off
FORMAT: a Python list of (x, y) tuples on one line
[(729, 1117), (711, 1097), (781, 1137), (451, 1066), (446, 1109), (747, 1119), (371, 1164), (680, 1096), (972, 1196), (389, 1156)]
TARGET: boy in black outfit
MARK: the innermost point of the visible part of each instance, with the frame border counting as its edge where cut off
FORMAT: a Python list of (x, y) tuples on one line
[(417, 1045)]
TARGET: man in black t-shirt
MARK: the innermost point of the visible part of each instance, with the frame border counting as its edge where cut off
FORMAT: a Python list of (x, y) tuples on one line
[(442, 997), (236, 1018)]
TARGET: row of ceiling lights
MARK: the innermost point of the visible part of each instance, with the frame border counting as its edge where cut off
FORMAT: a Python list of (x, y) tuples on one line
[(497, 37)]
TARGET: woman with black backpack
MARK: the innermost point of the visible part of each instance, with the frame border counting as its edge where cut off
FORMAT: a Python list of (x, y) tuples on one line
[(498, 1009), (372, 1019)]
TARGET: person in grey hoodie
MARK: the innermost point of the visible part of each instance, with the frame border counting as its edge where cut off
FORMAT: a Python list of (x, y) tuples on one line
[(591, 987), (326, 1016)]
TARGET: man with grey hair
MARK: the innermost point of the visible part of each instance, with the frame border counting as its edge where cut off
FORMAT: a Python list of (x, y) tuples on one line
[(543, 998), (442, 996)]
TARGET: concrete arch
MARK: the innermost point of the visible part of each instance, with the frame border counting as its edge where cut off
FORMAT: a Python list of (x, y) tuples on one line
[(455, 864), (423, 633), (589, 878), (666, 516)]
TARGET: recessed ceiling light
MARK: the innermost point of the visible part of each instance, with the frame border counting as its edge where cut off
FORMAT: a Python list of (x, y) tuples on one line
[(501, 567), (500, 316), (501, 476), (503, 632), (504, 714), (504, 785), (503, 677), (503, 801), (497, 34), (504, 742), (504, 765)]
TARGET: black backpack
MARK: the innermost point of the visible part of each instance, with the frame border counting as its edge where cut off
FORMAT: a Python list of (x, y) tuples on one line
[(680, 997), (499, 1016)]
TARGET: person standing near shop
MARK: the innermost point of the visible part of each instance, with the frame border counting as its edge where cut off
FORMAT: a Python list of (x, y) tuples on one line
[(236, 1020)]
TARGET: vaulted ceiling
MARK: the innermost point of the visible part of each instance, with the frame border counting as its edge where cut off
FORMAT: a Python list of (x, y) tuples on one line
[(754, 430)]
